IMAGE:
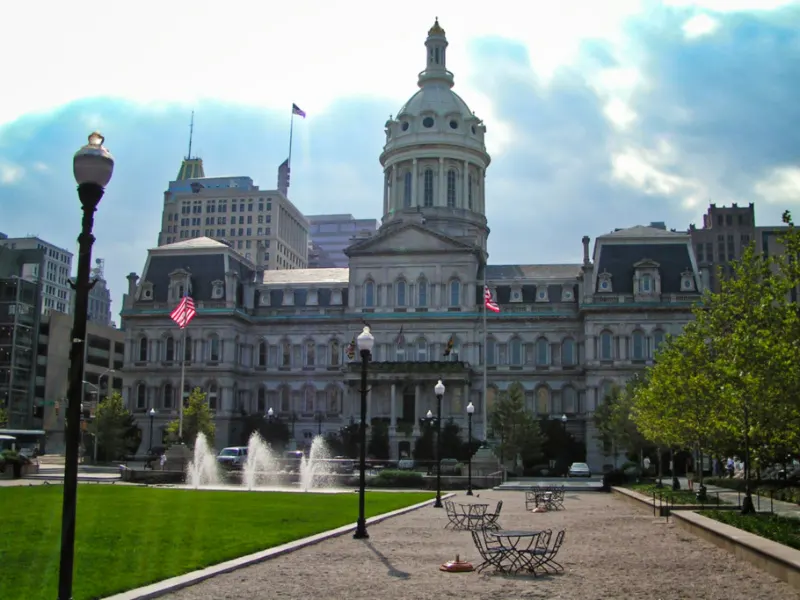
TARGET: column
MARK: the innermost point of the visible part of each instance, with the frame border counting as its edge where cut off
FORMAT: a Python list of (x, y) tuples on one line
[(392, 191), (482, 179), (414, 179), (393, 408), (385, 193), (465, 192), (441, 200), (417, 409)]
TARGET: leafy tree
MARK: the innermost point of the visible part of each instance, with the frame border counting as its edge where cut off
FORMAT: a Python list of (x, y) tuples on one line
[(197, 418), (609, 430), (3, 417), (425, 444), (452, 444), (114, 429), (378, 444), (350, 439), (517, 430), (275, 432)]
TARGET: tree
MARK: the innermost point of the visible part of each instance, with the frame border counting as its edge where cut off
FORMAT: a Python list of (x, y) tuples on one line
[(275, 432), (609, 431), (197, 418), (3, 417), (514, 426), (452, 444), (114, 429), (378, 444)]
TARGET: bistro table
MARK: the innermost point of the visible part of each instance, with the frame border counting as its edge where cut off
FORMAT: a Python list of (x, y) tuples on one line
[(520, 548)]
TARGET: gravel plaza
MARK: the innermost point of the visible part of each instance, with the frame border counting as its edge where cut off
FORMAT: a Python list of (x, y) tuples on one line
[(611, 550)]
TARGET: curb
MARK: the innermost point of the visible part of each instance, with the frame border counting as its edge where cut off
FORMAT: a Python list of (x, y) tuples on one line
[(173, 584)]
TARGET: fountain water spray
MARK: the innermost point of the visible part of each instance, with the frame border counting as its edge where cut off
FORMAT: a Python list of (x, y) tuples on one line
[(262, 466), (202, 469), (316, 469)]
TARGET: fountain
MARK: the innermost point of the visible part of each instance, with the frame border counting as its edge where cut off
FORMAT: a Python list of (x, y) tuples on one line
[(202, 469), (261, 465), (316, 470)]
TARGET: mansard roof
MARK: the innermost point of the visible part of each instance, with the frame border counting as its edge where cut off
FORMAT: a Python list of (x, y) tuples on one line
[(533, 273), (307, 276), (621, 260)]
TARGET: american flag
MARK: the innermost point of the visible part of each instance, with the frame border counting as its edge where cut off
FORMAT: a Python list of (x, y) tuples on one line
[(400, 340), (184, 312), (296, 110), (488, 302)]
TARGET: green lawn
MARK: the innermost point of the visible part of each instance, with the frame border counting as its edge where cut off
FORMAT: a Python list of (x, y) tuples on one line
[(130, 536), (677, 496)]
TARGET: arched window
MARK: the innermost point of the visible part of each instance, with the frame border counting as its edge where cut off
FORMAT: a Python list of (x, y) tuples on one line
[(311, 354), (606, 346), (516, 352), (422, 350), (212, 396), (334, 406), (169, 349), (187, 349), (658, 339), (286, 354), (401, 293), (166, 401), (213, 348), (451, 188), (637, 343), (491, 352), (143, 349), (141, 396), (568, 352), (569, 400), (336, 353), (542, 352), (309, 395), (455, 293), (428, 188), (543, 401), (407, 190), (261, 402), (369, 294), (262, 353), (286, 402), (469, 192), (422, 292), (645, 284), (187, 391)]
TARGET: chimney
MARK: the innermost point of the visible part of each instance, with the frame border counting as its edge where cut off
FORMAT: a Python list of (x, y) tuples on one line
[(586, 250), (132, 279)]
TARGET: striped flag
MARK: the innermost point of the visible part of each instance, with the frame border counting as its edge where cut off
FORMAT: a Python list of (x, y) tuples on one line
[(488, 302), (400, 340), (184, 312), (350, 351), (296, 110), (448, 349)]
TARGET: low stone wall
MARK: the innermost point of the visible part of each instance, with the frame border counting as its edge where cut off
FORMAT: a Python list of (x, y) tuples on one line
[(776, 559), (633, 497)]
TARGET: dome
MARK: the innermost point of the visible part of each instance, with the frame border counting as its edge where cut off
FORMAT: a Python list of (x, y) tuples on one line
[(437, 99)]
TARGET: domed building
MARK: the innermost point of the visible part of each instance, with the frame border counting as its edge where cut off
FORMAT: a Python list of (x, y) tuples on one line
[(282, 339)]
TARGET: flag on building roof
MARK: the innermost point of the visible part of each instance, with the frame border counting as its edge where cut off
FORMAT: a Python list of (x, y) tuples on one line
[(184, 312), (449, 347), (488, 302), (400, 340), (350, 351), (296, 110)]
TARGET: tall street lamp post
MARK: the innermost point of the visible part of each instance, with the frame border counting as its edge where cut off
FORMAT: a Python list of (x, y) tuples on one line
[(152, 415), (438, 389), (365, 343), (320, 419), (566, 442), (92, 166), (470, 411)]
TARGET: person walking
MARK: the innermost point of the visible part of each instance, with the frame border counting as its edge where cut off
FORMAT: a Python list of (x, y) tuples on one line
[(690, 473)]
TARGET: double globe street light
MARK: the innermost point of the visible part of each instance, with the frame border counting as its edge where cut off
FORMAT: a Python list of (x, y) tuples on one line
[(92, 166), (470, 412), (365, 342)]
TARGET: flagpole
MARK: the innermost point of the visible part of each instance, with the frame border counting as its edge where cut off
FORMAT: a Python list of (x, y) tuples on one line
[(291, 133), (183, 379), (485, 363)]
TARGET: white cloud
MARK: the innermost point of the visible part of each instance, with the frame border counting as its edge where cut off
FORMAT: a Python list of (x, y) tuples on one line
[(699, 26), (40, 167), (619, 113), (270, 54), (10, 173), (781, 186)]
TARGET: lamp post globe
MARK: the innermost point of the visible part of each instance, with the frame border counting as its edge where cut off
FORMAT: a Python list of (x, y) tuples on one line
[(429, 415), (365, 342), (438, 389), (564, 419), (151, 413), (270, 413), (92, 166), (470, 412)]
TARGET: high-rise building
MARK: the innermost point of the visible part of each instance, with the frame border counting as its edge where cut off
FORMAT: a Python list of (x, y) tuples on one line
[(99, 297), (261, 225), (55, 272), (331, 234)]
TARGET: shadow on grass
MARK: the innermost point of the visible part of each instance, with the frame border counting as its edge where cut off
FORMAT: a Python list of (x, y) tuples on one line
[(392, 572)]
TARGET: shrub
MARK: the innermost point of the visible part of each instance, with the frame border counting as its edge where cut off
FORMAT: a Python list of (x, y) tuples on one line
[(614, 478), (784, 530), (394, 478)]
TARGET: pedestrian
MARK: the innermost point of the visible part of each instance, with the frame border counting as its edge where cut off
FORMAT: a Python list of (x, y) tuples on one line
[(690, 473), (163, 461)]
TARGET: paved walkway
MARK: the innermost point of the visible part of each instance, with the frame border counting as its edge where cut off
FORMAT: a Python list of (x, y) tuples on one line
[(612, 550)]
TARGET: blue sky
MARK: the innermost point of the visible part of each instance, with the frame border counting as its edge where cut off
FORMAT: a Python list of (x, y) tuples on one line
[(644, 111)]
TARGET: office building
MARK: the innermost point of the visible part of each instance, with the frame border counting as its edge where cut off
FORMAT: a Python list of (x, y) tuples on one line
[(331, 234)]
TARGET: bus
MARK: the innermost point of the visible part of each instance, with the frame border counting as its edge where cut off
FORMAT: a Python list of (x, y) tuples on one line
[(27, 438)]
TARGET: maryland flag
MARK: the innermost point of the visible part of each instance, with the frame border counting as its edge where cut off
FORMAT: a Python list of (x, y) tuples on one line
[(350, 351), (449, 347)]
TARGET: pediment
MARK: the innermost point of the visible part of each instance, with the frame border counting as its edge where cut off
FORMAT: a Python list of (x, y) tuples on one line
[(646, 263), (409, 238)]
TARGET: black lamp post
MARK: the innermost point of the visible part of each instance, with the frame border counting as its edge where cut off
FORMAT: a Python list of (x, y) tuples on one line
[(365, 343), (438, 389), (470, 411), (320, 419), (566, 444), (92, 167), (152, 415)]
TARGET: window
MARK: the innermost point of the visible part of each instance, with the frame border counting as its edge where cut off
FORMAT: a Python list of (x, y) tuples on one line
[(169, 349), (451, 188), (606, 346), (262, 353), (638, 345), (427, 199), (286, 404), (422, 351), (261, 401), (469, 192), (141, 396), (542, 352), (286, 354), (143, 349), (336, 353), (568, 352), (658, 339), (422, 293), (310, 353), (543, 401), (308, 399), (213, 348), (212, 396), (491, 350), (455, 293), (169, 393), (646, 284), (516, 352), (187, 350), (333, 401), (369, 294), (401, 293), (407, 190), (569, 400)]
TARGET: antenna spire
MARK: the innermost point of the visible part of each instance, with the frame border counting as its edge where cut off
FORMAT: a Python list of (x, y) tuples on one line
[(191, 133)]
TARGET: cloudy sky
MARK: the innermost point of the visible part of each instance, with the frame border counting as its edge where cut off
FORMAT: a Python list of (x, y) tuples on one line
[(600, 113)]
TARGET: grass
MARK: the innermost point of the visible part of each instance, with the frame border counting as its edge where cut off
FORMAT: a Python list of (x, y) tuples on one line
[(784, 530), (676, 496), (128, 537)]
